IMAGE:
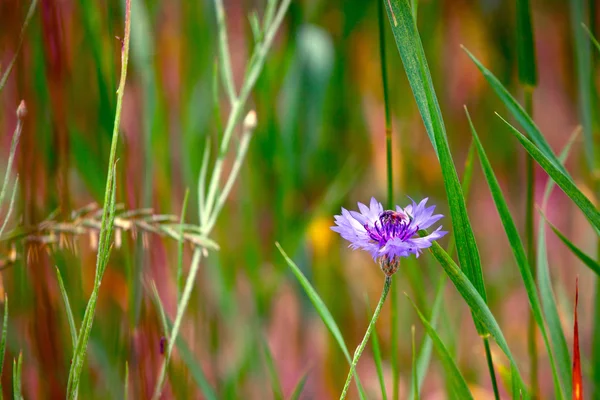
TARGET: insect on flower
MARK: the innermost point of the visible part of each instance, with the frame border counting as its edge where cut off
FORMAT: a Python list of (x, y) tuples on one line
[(388, 235)]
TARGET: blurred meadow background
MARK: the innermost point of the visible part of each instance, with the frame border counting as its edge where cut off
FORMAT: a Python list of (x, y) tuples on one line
[(318, 144)]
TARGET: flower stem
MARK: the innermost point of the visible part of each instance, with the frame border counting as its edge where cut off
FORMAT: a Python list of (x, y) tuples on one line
[(488, 355), (361, 347)]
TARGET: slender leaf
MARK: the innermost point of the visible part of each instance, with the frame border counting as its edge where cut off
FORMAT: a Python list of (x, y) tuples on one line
[(17, 365), (520, 258), (561, 179), (591, 36), (126, 388), (459, 385), (323, 312), (272, 370), (415, 65), (65, 298), (519, 114), (415, 378), (584, 258), (478, 307), (299, 387)]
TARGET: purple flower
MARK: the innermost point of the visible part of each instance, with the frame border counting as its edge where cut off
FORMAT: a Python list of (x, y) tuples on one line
[(386, 234)]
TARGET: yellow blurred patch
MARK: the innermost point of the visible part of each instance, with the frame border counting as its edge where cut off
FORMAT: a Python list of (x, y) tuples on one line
[(320, 235)]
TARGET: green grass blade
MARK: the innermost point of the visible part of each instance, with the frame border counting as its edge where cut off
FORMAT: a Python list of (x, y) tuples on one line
[(591, 36), (525, 45), (415, 64), (17, 365), (584, 76), (459, 385), (323, 312), (4, 334), (562, 179), (519, 114), (299, 387), (477, 305), (272, 370), (584, 258), (522, 262), (65, 298)]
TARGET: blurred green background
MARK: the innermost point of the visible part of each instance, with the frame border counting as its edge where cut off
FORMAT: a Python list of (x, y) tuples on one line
[(319, 145)]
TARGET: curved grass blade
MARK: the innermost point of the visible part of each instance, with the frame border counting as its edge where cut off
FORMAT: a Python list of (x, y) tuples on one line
[(520, 258), (519, 114), (561, 179), (479, 309), (591, 36), (65, 298), (584, 258), (299, 387), (459, 385), (415, 64), (323, 312)]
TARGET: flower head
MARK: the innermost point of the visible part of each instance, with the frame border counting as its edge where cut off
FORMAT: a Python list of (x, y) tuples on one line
[(388, 235)]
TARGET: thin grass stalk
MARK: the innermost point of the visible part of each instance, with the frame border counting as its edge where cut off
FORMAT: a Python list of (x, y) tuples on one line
[(180, 246), (490, 364), (21, 112), (363, 343), (390, 187), (8, 70), (531, 250), (255, 67), (108, 215)]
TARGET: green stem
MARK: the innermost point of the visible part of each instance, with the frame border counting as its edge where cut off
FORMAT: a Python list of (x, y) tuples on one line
[(390, 184), (361, 347), (488, 356), (530, 242)]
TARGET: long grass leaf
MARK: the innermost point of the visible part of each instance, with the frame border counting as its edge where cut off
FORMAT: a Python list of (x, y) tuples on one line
[(415, 65), (520, 258), (519, 114), (561, 179), (591, 36), (459, 385), (322, 310), (478, 307)]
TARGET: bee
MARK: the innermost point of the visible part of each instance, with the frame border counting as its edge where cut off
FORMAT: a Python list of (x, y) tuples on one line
[(395, 217)]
